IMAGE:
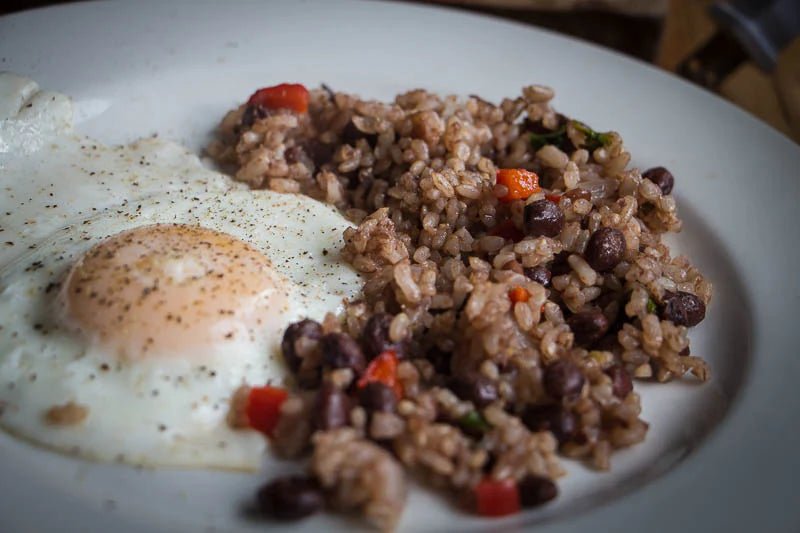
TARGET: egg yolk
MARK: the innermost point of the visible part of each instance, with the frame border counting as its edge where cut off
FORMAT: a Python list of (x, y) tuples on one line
[(170, 290)]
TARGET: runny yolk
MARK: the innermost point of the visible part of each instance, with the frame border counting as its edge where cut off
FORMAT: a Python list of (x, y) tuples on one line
[(172, 290)]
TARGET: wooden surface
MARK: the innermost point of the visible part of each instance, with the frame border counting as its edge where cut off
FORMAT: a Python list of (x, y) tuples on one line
[(686, 27)]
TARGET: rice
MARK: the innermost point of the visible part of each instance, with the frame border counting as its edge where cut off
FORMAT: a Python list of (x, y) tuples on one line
[(441, 246)]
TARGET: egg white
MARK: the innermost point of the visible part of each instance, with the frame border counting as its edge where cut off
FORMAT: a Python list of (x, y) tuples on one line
[(50, 176), (63, 194), (159, 411)]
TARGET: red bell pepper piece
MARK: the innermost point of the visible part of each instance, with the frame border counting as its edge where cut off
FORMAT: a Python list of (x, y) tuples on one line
[(264, 408), (520, 183), (383, 369), (519, 294), (497, 497), (292, 96)]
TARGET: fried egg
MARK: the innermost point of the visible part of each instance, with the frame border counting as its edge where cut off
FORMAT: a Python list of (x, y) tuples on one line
[(50, 176), (124, 334)]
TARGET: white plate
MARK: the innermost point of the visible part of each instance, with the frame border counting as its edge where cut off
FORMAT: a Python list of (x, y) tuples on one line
[(719, 457)]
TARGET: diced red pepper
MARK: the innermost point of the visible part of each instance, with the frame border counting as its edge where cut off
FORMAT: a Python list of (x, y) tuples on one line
[(519, 294), (497, 497), (520, 183), (264, 408), (507, 230), (553, 197), (292, 96), (383, 369)]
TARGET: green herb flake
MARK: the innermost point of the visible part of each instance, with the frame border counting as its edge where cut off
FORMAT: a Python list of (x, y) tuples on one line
[(474, 421), (554, 137), (594, 139), (651, 306)]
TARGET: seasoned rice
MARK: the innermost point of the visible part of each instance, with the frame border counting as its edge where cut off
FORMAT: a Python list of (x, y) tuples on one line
[(440, 251)]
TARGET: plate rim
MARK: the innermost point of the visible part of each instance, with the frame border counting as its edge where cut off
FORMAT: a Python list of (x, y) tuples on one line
[(669, 486)]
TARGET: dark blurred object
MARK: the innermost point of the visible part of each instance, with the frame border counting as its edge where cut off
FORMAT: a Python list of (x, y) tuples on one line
[(9, 6), (629, 26), (747, 29), (714, 61), (787, 85), (762, 28)]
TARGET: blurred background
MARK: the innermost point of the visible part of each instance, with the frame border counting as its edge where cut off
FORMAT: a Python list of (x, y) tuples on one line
[(747, 51)]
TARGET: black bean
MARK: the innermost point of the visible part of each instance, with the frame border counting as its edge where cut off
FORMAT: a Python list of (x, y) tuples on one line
[(252, 113), (605, 249), (440, 359), (378, 397), (683, 308), (555, 418), (559, 265), (331, 409), (609, 343), (351, 134), (319, 152), (536, 490), (307, 329), (309, 379), (661, 177), (294, 154), (588, 326), (290, 498), (563, 379), (539, 274), (543, 217), (340, 350), (621, 383), (475, 388), (375, 336), (607, 298), (611, 303)]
